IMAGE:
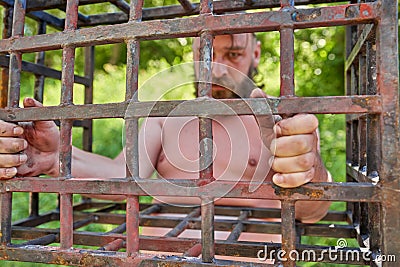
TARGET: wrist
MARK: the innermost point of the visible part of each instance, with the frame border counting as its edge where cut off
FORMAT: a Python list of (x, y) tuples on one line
[(54, 168)]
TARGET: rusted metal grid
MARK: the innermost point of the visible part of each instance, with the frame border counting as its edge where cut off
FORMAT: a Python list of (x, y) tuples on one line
[(371, 102)]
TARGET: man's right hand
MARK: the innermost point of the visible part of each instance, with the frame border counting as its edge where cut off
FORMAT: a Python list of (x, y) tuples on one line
[(28, 149)]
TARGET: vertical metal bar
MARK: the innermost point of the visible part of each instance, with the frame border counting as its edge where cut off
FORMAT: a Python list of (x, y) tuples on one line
[(33, 204), (350, 206), (5, 218), (132, 133), (207, 230), (15, 56), (287, 54), (66, 221), (373, 150), (89, 73), (67, 80), (206, 6), (132, 225), (205, 139), (287, 61), (288, 231), (205, 124), (362, 136), (38, 92), (287, 3), (388, 84), (7, 28), (14, 85), (40, 56)]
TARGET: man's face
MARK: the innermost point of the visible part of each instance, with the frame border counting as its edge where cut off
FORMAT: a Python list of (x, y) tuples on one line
[(235, 57)]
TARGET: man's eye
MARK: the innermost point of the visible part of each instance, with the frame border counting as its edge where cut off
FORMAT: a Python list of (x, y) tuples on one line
[(233, 54)]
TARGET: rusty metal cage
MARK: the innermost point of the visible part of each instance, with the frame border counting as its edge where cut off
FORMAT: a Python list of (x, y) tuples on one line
[(371, 103)]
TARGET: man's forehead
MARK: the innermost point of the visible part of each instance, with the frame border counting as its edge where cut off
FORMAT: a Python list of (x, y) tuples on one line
[(231, 41)]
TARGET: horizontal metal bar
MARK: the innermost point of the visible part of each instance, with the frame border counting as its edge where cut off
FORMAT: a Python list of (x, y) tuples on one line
[(49, 4), (42, 70), (246, 249), (205, 107), (51, 20), (354, 192), (365, 34), (191, 26)]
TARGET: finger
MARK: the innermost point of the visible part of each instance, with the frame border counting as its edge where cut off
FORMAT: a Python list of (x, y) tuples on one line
[(12, 160), (294, 145), (258, 93), (299, 124), (7, 173), (12, 145), (290, 180), (32, 103), (10, 129), (299, 163)]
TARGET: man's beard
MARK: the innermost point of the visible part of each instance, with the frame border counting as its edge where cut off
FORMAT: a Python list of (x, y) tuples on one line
[(232, 89)]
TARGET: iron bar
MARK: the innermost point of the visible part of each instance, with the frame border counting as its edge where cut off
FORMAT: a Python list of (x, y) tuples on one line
[(43, 241), (42, 70), (88, 98), (353, 192), (374, 151), (207, 230), (287, 61), (366, 33), (288, 231), (39, 60), (121, 4), (66, 221), (132, 132), (182, 225), (388, 86), (7, 28), (205, 107), (238, 228), (115, 245), (13, 101), (132, 225), (65, 157), (5, 218), (186, 4), (185, 27)]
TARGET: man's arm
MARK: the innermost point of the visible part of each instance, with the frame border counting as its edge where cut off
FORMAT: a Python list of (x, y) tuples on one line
[(32, 149)]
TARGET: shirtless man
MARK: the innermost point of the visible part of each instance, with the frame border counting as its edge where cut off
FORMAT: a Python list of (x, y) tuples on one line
[(169, 145)]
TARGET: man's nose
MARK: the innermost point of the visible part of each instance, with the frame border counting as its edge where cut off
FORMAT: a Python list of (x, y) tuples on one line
[(219, 69)]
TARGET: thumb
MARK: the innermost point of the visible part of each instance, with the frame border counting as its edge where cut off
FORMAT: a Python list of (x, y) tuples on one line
[(33, 103), (258, 93)]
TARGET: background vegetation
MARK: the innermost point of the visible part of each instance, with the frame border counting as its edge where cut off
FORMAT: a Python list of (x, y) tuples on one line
[(318, 68)]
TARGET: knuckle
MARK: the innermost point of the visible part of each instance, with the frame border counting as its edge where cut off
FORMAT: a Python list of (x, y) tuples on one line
[(306, 161), (301, 144)]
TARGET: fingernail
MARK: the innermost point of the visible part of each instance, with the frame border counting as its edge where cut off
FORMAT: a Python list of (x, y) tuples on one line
[(22, 158), (18, 130), (277, 179), (11, 171), (25, 144)]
